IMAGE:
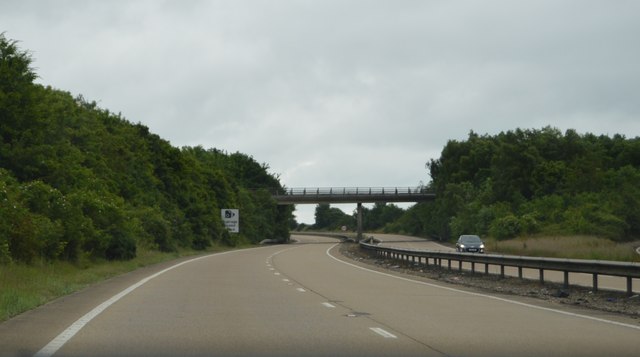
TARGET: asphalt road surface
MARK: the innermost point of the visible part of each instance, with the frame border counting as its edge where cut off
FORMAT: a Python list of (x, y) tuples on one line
[(303, 300)]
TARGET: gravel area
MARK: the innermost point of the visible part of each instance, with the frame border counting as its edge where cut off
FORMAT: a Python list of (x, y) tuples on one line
[(609, 301)]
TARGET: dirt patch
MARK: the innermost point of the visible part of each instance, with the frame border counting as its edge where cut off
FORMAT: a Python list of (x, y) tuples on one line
[(603, 300)]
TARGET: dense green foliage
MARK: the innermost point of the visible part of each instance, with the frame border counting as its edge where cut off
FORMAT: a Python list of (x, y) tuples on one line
[(77, 180), (526, 182), (373, 219), (331, 218)]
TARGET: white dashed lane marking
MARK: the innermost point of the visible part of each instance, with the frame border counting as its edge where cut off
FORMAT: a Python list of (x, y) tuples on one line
[(382, 332), (326, 304)]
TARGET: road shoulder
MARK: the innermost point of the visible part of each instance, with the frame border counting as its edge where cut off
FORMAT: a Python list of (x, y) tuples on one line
[(603, 304)]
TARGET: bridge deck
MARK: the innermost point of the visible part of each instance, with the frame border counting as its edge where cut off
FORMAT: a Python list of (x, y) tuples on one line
[(353, 195)]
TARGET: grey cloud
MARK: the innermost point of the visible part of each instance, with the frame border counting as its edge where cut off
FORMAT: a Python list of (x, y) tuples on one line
[(341, 92)]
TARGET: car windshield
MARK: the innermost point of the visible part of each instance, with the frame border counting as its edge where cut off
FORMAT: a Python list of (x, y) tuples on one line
[(470, 239)]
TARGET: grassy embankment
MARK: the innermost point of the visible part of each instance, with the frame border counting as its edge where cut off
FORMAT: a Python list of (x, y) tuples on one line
[(572, 247), (25, 287)]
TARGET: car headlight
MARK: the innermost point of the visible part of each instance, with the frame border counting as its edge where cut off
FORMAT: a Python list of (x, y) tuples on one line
[(481, 246), (462, 246)]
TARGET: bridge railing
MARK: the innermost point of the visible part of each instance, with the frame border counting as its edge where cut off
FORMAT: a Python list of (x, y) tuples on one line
[(318, 191)]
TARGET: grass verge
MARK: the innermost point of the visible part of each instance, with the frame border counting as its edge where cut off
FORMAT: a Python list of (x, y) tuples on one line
[(25, 287), (572, 247)]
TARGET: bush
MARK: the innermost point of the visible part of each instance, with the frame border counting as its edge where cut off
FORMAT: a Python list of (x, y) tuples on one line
[(505, 227), (156, 229), (121, 246), (529, 224), (595, 220), (5, 252)]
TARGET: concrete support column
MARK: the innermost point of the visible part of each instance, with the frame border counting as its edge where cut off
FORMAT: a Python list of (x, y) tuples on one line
[(359, 237)]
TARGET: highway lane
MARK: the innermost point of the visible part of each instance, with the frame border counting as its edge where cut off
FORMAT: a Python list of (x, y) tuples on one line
[(305, 300), (604, 282), (438, 316)]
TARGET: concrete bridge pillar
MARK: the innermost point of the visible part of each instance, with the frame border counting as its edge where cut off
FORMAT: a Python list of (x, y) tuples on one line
[(359, 236)]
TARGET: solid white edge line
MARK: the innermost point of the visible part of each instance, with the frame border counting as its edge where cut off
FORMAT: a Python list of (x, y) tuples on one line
[(486, 296), (57, 343), (382, 332)]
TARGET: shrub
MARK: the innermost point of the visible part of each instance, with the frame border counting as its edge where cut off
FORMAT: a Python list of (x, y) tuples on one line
[(121, 246), (529, 224), (505, 227)]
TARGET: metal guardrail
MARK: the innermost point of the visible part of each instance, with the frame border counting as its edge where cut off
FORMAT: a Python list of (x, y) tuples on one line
[(594, 267)]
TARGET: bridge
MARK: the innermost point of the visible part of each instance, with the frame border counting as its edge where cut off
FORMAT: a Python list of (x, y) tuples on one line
[(358, 195)]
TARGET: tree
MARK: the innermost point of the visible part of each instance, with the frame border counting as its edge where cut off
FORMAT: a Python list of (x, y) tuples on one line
[(331, 218), (78, 180), (528, 181)]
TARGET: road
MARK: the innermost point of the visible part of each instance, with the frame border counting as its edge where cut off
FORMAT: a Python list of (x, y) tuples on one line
[(604, 282), (304, 299)]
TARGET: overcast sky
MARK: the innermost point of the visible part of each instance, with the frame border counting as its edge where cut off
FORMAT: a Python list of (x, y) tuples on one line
[(341, 93)]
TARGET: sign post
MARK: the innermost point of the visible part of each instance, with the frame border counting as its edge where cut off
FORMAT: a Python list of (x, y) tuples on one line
[(231, 219)]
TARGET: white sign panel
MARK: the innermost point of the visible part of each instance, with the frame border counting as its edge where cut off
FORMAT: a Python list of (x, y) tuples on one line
[(231, 219)]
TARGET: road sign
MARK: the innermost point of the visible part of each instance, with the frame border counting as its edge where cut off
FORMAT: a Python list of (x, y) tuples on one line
[(231, 219)]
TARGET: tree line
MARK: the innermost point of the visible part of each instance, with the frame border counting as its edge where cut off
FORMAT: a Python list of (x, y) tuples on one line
[(373, 219), (78, 180), (527, 182), (520, 183)]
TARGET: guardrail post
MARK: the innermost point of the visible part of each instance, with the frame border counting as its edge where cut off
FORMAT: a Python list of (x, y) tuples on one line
[(449, 264), (486, 268), (520, 272), (473, 267), (566, 279), (460, 265), (629, 286), (595, 283), (502, 271), (541, 276)]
